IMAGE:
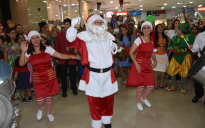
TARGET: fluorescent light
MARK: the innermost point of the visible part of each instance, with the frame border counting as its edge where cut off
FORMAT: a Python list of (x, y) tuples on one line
[(59, 1), (191, 2), (76, 11), (43, 19), (28, 9), (100, 11), (141, 5), (82, 1), (184, 6), (48, 7), (141, 9), (179, 3), (200, 5), (162, 7), (56, 15), (82, 13), (73, 4), (64, 5), (165, 3), (119, 10), (116, 7), (111, 1), (68, 14), (173, 6), (64, 11), (44, 1), (95, 9), (56, 0), (140, 0), (29, 14)]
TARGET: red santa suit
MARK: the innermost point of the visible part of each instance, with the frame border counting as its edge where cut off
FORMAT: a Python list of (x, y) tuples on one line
[(98, 86)]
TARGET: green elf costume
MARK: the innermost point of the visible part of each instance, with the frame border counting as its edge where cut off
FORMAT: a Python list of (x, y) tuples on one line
[(182, 57)]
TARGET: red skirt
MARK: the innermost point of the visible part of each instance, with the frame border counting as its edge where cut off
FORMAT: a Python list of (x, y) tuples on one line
[(45, 83), (145, 78)]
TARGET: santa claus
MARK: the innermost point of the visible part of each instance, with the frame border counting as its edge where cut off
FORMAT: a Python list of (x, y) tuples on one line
[(98, 81)]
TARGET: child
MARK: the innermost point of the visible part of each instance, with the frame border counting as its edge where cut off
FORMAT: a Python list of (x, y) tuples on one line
[(133, 36), (22, 77), (11, 23), (113, 21), (54, 44)]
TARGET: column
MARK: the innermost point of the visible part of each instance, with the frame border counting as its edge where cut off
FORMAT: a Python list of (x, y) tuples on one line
[(168, 14), (86, 6), (69, 8), (143, 15), (81, 12)]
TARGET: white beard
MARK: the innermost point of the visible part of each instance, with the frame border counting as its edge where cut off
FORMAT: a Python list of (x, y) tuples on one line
[(100, 32)]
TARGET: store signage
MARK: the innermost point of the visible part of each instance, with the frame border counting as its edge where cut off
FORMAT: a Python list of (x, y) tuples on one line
[(135, 13), (158, 12), (109, 14), (188, 10), (52, 22), (200, 8), (122, 13), (90, 10)]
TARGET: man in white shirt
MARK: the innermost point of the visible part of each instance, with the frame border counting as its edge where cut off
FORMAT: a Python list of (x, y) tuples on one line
[(197, 47)]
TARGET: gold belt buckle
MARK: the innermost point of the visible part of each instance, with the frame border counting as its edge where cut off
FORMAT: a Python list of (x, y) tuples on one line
[(101, 70)]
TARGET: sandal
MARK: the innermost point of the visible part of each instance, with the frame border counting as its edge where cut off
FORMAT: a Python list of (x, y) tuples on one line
[(161, 85), (156, 86), (122, 81)]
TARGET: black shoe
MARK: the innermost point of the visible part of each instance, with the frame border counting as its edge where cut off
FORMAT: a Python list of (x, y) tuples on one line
[(32, 91), (107, 125), (195, 99), (64, 95), (24, 100), (30, 98), (75, 93)]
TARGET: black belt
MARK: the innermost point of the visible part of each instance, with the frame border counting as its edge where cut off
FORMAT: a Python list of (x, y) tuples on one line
[(98, 70)]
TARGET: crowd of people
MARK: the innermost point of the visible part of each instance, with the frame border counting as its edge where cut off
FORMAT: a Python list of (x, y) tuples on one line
[(39, 58)]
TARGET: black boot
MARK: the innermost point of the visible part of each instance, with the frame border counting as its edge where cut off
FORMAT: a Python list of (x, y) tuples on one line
[(108, 125), (195, 99)]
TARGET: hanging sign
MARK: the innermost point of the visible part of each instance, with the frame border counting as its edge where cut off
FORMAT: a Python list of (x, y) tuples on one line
[(109, 14), (134, 13), (122, 13), (200, 8)]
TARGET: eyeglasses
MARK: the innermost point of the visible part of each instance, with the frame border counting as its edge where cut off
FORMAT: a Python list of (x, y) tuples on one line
[(98, 22)]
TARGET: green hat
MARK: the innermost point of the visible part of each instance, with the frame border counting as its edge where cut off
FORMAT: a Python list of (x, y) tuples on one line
[(185, 27)]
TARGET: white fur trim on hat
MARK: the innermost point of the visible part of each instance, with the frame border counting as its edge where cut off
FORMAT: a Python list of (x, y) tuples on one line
[(32, 33), (146, 23), (94, 17)]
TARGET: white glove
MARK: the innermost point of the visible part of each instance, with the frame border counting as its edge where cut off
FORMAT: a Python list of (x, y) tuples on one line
[(75, 21), (113, 47)]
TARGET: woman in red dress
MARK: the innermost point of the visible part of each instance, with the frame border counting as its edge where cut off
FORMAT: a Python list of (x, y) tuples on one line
[(141, 73), (44, 78)]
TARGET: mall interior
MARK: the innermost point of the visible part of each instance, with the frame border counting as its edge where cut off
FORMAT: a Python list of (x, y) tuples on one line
[(175, 99)]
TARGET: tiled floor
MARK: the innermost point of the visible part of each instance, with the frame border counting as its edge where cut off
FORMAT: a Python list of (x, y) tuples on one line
[(169, 110)]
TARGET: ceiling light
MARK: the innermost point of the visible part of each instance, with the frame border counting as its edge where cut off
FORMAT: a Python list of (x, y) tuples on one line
[(179, 3), (43, 19), (119, 10), (141, 5), (48, 7), (59, 1), (165, 3), (56, 0), (184, 6), (44, 1), (73, 4), (190, 2), (68, 14), (116, 7), (162, 7), (140, 0), (95, 9), (76, 11), (64, 11), (141, 9), (173, 6), (200, 5), (64, 5), (111, 1), (82, 13), (100, 11), (29, 14), (82, 1), (56, 15)]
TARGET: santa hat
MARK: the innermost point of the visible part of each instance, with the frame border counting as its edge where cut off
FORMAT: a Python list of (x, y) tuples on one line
[(153, 32), (93, 17), (33, 33), (147, 23)]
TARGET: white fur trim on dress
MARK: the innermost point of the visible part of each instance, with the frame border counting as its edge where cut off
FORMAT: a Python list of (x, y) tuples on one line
[(106, 119), (96, 123)]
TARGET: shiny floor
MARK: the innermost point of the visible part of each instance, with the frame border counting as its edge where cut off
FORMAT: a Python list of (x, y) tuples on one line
[(169, 110)]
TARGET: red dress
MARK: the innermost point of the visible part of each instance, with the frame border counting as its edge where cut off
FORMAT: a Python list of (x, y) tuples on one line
[(45, 82), (146, 77)]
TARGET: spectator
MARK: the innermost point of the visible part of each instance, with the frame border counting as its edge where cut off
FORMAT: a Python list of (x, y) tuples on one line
[(20, 37), (19, 29), (62, 47), (129, 20)]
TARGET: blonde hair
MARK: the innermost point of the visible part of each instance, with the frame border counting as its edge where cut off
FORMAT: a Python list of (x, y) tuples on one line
[(9, 21)]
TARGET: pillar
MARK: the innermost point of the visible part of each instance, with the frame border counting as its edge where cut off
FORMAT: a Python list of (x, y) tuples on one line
[(143, 15), (86, 6), (69, 8)]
